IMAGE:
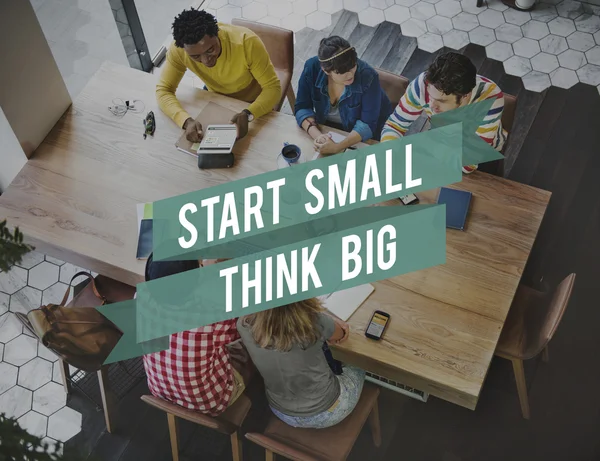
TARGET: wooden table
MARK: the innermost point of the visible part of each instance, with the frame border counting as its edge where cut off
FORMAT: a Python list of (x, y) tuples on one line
[(76, 200)]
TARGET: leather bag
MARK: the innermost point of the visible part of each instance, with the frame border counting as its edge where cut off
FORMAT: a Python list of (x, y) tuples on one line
[(79, 334)]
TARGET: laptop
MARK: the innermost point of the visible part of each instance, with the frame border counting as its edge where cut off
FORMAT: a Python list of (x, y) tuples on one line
[(218, 139), (457, 206)]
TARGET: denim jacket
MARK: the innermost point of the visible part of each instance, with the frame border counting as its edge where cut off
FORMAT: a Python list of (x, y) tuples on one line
[(364, 107)]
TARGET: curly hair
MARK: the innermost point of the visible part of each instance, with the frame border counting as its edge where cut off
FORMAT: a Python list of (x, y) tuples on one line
[(329, 47), (452, 73), (192, 25)]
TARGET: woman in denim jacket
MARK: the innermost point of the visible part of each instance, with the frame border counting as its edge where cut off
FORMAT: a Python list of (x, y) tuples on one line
[(340, 90)]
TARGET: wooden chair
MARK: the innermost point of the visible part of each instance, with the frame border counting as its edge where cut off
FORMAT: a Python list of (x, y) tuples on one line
[(394, 85), (279, 43), (227, 422), (331, 444), (533, 318)]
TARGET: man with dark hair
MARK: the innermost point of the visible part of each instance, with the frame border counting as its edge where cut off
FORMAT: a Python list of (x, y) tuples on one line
[(197, 371), (230, 60), (449, 83)]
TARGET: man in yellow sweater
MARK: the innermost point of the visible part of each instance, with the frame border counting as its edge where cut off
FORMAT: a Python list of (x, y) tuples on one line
[(230, 60)]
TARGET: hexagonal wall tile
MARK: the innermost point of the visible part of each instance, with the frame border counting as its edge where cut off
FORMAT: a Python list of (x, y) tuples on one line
[(544, 62), (56, 261), (49, 398), (580, 41), (371, 17), (455, 39), (518, 18), (544, 12), (305, 7), (381, 4), (430, 42), (1, 351), (508, 33), (330, 6), (4, 302), (356, 5), (553, 44), (64, 424), (67, 271), (34, 423), (13, 280), (536, 81), (31, 259), (496, 5), (15, 402), (271, 21), (406, 3), (571, 59), (448, 8), (413, 28), (570, 9), (588, 23), (589, 74), (593, 55), (439, 25), (422, 11), (25, 299), (397, 14), (8, 376), (597, 38), (490, 18), (240, 3), (228, 13), (517, 65), (35, 373), (45, 353), (561, 26), (43, 275), (215, 4), (482, 36), (471, 7), (10, 327), (294, 22), (563, 78), (20, 350), (254, 11), (500, 51), (526, 47), (54, 294), (535, 30), (318, 20), (465, 21)]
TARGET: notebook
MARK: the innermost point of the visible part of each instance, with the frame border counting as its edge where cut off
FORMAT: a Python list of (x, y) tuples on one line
[(144, 226), (212, 114), (343, 303), (457, 206)]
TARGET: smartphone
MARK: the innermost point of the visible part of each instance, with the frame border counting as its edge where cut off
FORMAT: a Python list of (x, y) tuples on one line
[(409, 199), (377, 325)]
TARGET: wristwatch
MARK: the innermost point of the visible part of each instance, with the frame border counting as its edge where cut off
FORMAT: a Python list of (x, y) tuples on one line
[(249, 114)]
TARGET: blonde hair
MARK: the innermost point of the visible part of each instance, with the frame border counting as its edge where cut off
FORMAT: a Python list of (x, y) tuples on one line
[(282, 327)]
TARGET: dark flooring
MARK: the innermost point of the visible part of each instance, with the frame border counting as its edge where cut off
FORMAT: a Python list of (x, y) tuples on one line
[(554, 145)]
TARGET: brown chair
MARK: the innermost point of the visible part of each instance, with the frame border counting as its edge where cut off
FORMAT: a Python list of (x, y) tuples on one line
[(331, 444), (280, 46), (227, 422), (533, 318), (394, 85)]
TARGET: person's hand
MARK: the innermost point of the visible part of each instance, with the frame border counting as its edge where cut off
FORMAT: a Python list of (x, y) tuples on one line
[(241, 121), (193, 130), (321, 139), (328, 147), (345, 329)]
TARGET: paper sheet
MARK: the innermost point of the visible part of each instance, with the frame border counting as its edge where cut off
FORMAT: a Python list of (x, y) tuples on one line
[(343, 303)]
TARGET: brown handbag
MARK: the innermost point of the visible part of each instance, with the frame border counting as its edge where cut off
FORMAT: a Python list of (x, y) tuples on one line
[(78, 333)]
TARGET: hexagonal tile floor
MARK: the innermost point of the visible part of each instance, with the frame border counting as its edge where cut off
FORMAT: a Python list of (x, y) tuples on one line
[(30, 383), (557, 43)]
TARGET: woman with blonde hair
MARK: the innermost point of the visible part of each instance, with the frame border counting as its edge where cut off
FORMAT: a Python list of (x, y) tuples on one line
[(286, 346)]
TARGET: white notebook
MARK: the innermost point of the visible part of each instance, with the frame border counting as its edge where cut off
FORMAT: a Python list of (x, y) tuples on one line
[(343, 303)]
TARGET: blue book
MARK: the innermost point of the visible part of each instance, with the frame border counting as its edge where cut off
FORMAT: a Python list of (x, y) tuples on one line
[(457, 206)]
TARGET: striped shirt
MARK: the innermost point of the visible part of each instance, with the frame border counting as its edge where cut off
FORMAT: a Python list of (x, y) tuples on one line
[(416, 100)]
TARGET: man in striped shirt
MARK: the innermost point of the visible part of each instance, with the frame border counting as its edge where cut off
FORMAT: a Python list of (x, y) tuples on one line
[(449, 83)]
